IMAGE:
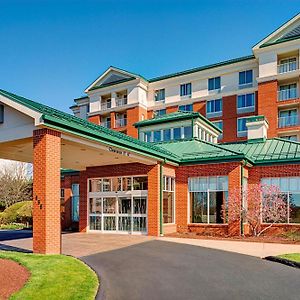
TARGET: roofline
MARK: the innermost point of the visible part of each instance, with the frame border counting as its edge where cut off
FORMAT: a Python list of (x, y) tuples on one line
[(270, 34), (112, 83), (189, 115), (80, 98), (203, 68), (279, 42)]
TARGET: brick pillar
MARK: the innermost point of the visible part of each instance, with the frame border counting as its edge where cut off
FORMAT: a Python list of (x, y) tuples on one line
[(83, 221), (234, 185), (267, 104), (153, 200), (46, 191)]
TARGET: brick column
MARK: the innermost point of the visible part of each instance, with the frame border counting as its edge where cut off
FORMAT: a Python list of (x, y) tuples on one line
[(46, 191), (83, 221), (153, 200), (234, 184)]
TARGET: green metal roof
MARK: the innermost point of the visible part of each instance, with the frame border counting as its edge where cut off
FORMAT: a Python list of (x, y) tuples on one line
[(197, 151), (111, 83), (68, 123), (198, 69), (175, 116), (267, 151)]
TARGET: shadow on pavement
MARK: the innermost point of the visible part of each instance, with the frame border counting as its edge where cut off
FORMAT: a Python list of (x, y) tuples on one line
[(8, 235)]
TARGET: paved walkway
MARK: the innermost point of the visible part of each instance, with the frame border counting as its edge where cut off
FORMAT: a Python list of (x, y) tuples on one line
[(248, 248)]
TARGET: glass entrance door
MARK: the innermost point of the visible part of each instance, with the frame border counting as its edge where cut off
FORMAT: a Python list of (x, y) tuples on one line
[(125, 214)]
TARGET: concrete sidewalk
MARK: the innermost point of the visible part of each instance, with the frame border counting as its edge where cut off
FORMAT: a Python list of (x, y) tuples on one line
[(249, 248)]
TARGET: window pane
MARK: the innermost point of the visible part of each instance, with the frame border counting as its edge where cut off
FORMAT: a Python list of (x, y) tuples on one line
[(211, 84), (95, 185), (157, 136), (188, 132), (116, 184), (95, 206), (168, 198), (124, 205), (241, 77), (95, 223), (109, 205), (140, 183), (177, 133), (106, 183), (147, 136), (198, 207), (295, 208), (249, 76), (139, 205), (217, 82), (212, 183), (167, 135), (127, 184), (250, 100)]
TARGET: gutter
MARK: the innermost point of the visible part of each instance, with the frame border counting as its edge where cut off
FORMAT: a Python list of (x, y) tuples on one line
[(161, 199)]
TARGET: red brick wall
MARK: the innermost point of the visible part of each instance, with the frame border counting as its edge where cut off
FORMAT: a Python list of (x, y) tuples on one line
[(267, 104), (134, 115), (46, 191), (182, 175), (95, 119), (172, 109)]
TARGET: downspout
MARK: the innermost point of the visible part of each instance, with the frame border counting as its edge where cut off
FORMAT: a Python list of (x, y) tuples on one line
[(242, 193), (161, 198)]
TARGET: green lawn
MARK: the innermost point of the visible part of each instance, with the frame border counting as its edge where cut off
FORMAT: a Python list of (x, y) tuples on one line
[(54, 277), (293, 256)]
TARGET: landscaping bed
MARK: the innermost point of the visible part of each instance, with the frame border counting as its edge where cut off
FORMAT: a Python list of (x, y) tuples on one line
[(62, 277), (287, 238)]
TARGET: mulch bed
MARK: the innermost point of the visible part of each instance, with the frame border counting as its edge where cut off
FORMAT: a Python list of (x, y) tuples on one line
[(261, 239), (12, 277)]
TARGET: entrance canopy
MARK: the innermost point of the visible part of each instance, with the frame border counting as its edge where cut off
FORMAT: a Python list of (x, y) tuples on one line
[(83, 144)]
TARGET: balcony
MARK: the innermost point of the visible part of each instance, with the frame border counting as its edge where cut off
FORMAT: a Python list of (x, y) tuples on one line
[(288, 121), (121, 122), (106, 124), (121, 101), (288, 94), (105, 105), (287, 67)]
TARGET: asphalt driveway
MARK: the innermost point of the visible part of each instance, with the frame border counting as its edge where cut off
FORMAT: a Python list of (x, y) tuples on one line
[(163, 270)]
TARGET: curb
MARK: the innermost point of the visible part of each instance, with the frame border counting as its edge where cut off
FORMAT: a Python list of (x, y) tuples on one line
[(284, 261)]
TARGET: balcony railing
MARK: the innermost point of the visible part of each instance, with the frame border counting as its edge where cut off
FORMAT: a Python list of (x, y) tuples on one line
[(288, 94), (121, 122), (288, 121), (106, 124), (287, 67), (121, 101), (105, 105)]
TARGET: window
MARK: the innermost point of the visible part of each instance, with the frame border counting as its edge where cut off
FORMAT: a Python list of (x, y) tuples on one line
[(246, 103), (287, 91), (166, 135), (187, 132), (290, 188), (288, 118), (140, 183), (186, 89), (177, 133), (214, 83), (188, 107), (1, 114), (246, 78), (214, 108), (160, 112), (168, 199), (219, 124), (241, 127), (75, 202), (208, 199), (287, 65), (290, 138), (160, 95), (147, 136), (157, 136)]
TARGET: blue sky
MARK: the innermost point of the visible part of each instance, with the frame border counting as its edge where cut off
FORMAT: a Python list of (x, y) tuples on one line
[(51, 50)]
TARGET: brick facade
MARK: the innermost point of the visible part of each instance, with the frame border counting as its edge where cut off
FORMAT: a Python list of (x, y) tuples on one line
[(46, 191)]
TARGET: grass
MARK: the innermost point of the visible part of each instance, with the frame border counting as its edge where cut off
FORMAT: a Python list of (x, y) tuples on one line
[(62, 277), (293, 256)]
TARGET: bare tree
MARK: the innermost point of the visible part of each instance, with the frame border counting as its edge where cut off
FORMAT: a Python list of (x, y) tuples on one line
[(15, 183)]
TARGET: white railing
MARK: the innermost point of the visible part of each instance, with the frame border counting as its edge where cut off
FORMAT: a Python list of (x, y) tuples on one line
[(105, 105), (288, 94), (106, 124), (288, 121), (121, 101), (287, 67), (121, 122)]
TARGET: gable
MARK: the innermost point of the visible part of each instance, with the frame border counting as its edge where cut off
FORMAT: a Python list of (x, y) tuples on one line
[(286, 32), (110, 77)]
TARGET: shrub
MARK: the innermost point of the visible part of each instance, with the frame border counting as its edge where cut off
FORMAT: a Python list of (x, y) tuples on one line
[(20, 212)]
